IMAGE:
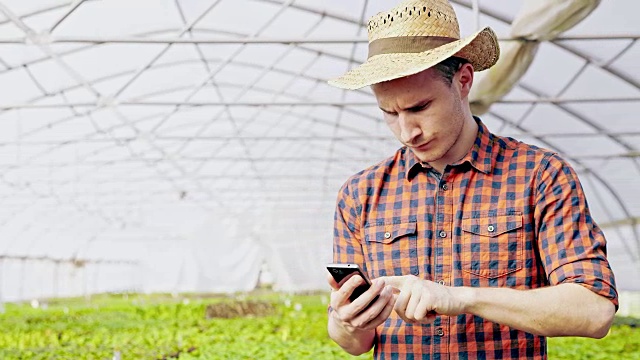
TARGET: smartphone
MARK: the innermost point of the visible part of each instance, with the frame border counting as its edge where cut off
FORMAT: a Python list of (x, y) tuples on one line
[(341, 271)]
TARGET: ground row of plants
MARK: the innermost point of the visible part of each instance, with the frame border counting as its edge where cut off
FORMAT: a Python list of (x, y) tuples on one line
[(271, 326)]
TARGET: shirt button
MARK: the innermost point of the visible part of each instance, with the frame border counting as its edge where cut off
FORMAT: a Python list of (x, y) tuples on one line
[(443, 234), (491, 228), (445, 187), (439, 332), (387, 235)]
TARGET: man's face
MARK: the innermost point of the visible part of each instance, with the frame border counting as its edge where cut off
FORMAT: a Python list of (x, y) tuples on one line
[(424, 112)]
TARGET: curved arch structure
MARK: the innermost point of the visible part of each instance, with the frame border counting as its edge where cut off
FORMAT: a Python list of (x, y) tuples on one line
[(151, 134)]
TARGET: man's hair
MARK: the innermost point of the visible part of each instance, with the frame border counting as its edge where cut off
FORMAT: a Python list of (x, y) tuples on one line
[(449, 67)]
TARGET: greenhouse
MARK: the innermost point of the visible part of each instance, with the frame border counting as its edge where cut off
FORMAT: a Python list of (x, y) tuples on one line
[(180, 153)]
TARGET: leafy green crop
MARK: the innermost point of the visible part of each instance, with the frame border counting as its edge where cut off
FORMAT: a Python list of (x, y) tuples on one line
[(157, 327), (623, 342), (164, 327)]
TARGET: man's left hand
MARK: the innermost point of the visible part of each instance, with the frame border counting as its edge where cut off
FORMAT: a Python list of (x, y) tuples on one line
[(420, 300)]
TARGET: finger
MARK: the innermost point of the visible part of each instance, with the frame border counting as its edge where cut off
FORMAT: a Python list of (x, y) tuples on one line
[(361, 303), (384, 314), (423, 308), (340, 300), (416, 296), (345, 290), (346, 278), (367, 318), (370, 313), (402, 301), (396, 282)]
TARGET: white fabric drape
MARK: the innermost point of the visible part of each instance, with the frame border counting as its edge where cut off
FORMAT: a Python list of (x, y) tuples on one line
[(539, 20)]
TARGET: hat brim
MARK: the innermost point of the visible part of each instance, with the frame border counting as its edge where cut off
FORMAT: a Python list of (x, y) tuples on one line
[(480, 49)]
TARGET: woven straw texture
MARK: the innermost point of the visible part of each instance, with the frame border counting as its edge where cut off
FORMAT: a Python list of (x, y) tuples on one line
[(415, 18), (432, 18)]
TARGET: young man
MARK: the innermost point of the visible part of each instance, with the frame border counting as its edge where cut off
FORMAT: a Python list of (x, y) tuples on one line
[(479, 246)]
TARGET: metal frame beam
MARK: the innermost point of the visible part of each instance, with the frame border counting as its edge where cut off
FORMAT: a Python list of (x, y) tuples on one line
[(100, 105), (296, 138), (264, 40)]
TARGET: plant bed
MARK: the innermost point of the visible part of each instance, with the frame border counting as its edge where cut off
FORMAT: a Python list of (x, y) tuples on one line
[(260, 326)]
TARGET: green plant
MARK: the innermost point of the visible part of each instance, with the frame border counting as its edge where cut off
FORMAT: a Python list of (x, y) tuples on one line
[(166, 327)]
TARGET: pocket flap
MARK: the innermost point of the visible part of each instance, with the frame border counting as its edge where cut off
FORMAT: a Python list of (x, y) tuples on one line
[(389, 233), (492, 225)]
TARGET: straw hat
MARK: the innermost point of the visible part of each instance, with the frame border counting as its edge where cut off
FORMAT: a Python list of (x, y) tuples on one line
[(414, 36)]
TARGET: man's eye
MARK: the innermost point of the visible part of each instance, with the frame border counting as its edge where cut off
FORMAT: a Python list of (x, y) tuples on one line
[(419, 108)]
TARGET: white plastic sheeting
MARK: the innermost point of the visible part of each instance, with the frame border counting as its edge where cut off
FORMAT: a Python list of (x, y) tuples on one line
[(295, 249), (44, 278), (199, 141)]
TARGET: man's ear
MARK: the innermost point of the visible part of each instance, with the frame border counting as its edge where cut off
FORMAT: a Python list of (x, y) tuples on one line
[(464, 79)]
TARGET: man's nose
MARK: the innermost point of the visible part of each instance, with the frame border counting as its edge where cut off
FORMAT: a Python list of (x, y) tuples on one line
[(409, 129)]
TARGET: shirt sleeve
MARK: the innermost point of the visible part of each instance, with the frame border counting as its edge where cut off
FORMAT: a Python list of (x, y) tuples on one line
[(346, 230), (572, 246)]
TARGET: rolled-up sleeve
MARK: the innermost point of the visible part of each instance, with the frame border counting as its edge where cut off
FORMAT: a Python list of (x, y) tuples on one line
[(347, 247), (572, 247)]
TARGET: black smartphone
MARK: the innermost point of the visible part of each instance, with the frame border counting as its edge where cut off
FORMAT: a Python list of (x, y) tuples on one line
[(341, 271)]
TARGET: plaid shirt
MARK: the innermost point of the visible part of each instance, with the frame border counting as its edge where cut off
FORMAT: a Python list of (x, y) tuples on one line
[(507, 215)]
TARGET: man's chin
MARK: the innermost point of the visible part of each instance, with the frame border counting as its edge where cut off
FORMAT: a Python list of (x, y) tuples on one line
[(425, 156)]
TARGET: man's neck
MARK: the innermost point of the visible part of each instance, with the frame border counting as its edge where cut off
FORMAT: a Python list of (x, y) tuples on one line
[(462, 146)]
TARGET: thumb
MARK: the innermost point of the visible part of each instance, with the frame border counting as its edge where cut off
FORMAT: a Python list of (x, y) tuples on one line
[(332, 282)]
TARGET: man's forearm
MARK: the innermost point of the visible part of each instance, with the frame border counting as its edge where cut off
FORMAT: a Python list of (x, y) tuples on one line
[(355, 342), (562, 310)]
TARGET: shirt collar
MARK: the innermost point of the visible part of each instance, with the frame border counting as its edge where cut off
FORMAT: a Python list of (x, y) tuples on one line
[(480, 156)]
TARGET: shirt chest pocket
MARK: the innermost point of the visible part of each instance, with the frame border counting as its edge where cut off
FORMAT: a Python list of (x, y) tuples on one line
[(492, 246), (391, 249)]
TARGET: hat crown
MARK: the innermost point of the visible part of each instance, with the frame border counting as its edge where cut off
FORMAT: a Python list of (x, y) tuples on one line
[(415, 18)]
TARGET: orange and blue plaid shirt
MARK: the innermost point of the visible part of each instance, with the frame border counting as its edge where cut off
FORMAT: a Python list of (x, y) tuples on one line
[(507, 215)]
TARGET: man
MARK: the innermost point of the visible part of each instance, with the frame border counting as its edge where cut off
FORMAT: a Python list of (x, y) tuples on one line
[(479, 246)]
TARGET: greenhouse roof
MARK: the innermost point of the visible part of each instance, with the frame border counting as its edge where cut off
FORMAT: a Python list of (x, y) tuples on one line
[(134, 128)]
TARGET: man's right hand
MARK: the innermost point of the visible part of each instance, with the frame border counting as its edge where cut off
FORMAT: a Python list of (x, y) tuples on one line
[(357, 316)]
